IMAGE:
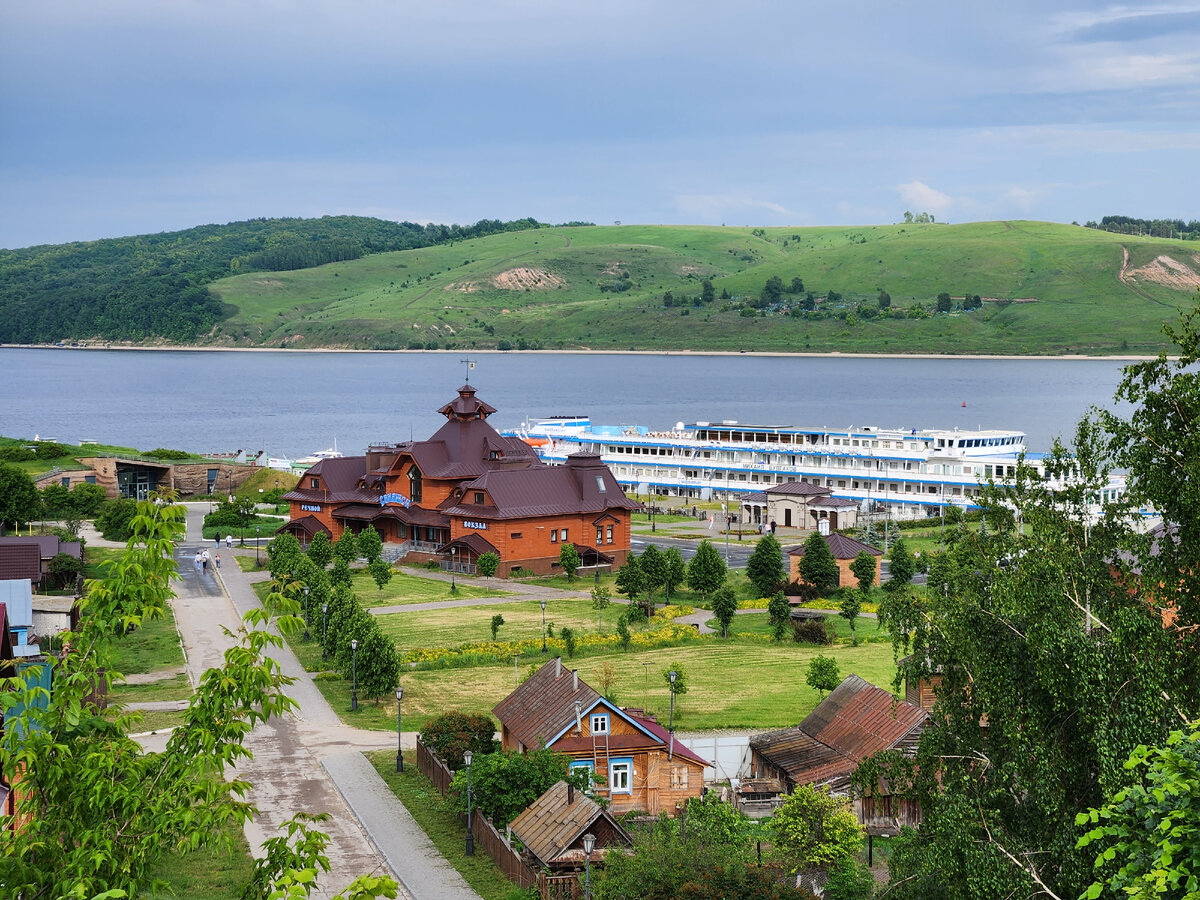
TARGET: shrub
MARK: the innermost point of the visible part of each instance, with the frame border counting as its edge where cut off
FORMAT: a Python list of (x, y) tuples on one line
[(811, 631), (164, 453), (454, 732), (568, 638), (16, 453), (114, 518), (805, 591)]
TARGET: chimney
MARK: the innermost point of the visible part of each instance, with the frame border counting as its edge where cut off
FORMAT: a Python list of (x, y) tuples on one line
[(574, 679), (557, 666), (570, 794)]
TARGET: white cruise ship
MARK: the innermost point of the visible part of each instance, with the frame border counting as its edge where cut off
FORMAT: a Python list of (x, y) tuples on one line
[(898, 473)]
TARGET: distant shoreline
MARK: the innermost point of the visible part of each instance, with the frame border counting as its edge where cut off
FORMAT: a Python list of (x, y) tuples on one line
[(716, 353)]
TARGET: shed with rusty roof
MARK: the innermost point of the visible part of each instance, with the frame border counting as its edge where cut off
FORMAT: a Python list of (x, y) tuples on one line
[(553, 826)]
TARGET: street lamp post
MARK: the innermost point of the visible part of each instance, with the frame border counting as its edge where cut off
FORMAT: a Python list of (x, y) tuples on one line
[(354, 675), (589, 844), (650, 497), (470, 836), (276, 495), (399, 739), (453, 566), (671, 676), (256, 533), (324, 619), (306, 612), (543, 624)]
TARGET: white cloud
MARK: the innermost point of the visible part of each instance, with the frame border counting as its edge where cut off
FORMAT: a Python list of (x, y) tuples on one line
[(1023, 197), (922, 198)]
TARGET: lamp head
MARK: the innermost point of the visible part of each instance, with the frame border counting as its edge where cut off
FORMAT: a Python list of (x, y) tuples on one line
[(589, 843), (306, 590), (543, 604), (399, 694), (354, 646), (467, 758), (672, 675), (324, 608)]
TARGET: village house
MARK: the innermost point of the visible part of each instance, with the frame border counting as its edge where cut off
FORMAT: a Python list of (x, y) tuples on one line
[(552, 829), (799, 504), (845, 550), (467, 491), (635, 762), (30, 557), (856, 720)]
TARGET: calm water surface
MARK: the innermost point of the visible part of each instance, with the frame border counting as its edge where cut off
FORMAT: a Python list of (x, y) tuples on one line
[(291, 404)]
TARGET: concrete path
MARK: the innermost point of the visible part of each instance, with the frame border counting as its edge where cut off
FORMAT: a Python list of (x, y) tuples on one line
[(287, 767)]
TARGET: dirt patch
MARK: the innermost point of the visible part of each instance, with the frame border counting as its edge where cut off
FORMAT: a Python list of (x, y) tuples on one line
[(1169, 272), (524, 278), (689, 270), (463, 287), (613, 268)]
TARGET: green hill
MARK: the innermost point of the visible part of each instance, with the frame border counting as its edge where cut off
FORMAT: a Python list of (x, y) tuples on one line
[(1044, 289)]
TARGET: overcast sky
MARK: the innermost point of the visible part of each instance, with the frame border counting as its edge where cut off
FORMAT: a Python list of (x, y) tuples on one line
[(129, 116)]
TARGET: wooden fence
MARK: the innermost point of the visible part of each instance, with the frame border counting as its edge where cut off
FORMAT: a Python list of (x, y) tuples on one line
[(506, 858), (433, 768)]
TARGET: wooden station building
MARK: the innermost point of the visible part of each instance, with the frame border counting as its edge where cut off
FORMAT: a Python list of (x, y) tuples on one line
[(466, 491)]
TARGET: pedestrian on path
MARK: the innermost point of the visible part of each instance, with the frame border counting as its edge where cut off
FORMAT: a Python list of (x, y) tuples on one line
[(196, 561), (218, 560), (228, 541), (204, 562), (217, 539)]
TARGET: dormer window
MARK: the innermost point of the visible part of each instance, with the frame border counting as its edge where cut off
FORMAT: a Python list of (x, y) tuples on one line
[(414, 484), (479, 498), (493, 454), (315, 484), (600, 484)]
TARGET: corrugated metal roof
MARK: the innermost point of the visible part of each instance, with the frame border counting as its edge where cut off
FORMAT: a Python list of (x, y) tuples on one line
[(543, 706), (841, 547), (553, 490), (21, 561), (799, 488), (17, 595), (854, 721), (552, 827), (48, 545)]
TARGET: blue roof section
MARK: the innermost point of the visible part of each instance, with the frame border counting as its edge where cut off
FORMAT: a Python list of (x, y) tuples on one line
[(18, 595)]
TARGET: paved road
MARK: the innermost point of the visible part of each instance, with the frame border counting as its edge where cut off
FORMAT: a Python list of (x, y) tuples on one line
[(309, 761)]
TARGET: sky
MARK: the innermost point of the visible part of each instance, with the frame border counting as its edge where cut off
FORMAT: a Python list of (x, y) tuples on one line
[(133, 116)]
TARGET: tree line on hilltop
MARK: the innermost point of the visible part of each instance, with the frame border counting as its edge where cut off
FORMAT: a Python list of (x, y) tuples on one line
[(156, 285)]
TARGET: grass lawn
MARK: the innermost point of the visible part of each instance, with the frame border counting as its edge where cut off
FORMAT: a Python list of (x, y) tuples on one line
[(175, 688), (156, 720), (152, 647), (438, 820), (406, 588), (96, 556), (739, 683), (461, 625), (207, 874), (248, 564)]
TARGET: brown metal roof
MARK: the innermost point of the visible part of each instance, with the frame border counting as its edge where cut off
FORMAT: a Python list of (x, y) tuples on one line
[(339, 482), (799, 488), (551, 490), (841, 547), (473, 541), (543, 706), (552, 827), (310, 525), (466, 405), (854, 721), (48, 545), (18, 561)]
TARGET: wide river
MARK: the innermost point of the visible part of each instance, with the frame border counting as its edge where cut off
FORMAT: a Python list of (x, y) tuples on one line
[(293, 403)]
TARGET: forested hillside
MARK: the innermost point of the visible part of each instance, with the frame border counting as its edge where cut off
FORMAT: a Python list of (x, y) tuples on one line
[(155, 285)]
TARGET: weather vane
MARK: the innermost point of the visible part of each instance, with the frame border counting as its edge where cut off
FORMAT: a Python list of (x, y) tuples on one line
[(470, 364)]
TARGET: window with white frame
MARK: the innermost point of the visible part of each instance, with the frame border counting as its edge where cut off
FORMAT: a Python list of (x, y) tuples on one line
[(600, 723), (620, 779), (585, 765), (599, 536), (608, 534)]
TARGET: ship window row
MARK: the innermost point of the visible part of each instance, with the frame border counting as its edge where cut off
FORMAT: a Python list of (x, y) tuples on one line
[(978, 442)]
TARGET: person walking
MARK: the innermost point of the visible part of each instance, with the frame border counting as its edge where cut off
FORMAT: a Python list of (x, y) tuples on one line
[(217, 539), (228, 541), (217, 558), (204, 562)]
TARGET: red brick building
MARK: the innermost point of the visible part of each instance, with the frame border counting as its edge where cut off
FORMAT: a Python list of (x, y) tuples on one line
[(466, 491)]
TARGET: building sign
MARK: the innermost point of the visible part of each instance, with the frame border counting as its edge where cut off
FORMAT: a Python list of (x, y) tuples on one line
[(387, 499), (481, 526), (309, 507)]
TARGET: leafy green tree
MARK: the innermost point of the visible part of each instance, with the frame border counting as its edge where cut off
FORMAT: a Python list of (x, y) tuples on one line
[(1149, 832), (679, 688), (817, 565), (381, 572), (341, 608), (944, 303), (849, 880), (370, 544), (488, 563), (765, 566), (497, 621), (601, 600), (98, 812), (19, 498), (346, 547), (283, 555), (724, 607), (568, 559), (707, 570), (863, 567), (812, 828), (623, 634), (849, 608), (378, 663), (320, 550), (823, 674), (65, 568), (115, 521), (651, 561), (707, 294), (505, 783), (452, 733), (631, 580), (340, 575), (570, 641), (885, 300), (901, 566), (674, 570), (797, 285), (772, 291), (779, 614)]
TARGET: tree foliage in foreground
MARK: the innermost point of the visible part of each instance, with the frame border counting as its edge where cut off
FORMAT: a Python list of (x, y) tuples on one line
[(97, 812), (1063, 647), (505, 783)]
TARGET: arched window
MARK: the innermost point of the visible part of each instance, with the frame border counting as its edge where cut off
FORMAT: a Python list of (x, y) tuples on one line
[(414, 484)]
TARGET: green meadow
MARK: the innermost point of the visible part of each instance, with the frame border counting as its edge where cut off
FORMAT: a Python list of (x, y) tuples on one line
[(602, 287)]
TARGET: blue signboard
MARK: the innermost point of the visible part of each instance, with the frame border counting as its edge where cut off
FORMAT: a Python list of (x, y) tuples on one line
[(386, 499)]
